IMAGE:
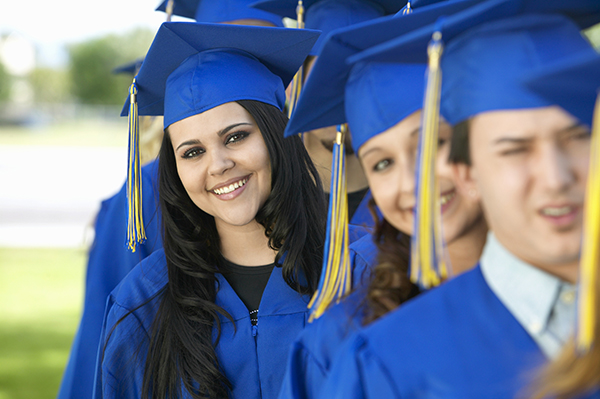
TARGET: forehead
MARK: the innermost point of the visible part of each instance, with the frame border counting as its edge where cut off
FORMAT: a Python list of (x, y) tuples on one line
[(529, 122), (398, 135)]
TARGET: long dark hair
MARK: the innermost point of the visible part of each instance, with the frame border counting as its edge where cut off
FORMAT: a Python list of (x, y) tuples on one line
[(181, 351), (390, 284)]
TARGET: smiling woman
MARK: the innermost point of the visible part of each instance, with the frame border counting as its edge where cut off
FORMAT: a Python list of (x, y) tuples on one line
[(243, 222)]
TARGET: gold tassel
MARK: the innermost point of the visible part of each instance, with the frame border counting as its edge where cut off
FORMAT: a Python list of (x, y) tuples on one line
[(407, 8), (336, 275), (428, 264), (590, 251), (297, 82), (135, 221), (169, 9)]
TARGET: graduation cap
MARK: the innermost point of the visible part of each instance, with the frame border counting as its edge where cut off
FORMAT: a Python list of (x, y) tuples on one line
[(574, 84), (483, 52), (131, 68), (193, 67), (217, 11), (323, 102), (328, 15)]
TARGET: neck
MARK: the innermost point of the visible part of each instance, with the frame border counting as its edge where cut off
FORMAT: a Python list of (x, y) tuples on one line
[(245, 245), (465, 251)]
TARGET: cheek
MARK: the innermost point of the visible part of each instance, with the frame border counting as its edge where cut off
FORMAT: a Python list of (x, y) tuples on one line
[(383, 188)]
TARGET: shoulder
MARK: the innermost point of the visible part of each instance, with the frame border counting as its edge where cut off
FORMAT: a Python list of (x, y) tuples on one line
[(363, 258), (143, 283)]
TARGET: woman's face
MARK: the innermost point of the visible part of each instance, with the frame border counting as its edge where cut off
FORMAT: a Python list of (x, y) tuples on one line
[(389, 161), (223, 163)]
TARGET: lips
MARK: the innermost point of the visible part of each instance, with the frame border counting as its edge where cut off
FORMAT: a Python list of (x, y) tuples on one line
[(446, 199), (230, 186), (560, 215)]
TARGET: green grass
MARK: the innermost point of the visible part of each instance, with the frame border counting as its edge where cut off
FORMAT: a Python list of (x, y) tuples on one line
[(41, 293)]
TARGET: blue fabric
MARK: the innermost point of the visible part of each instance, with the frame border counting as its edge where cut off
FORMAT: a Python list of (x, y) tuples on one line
[(333, 89), (572, 83), (329, 15), (221, 62), (314, 349), (253, 358), (362, 215), (109, 261), (493, 58), (219, 11), (456, 341)]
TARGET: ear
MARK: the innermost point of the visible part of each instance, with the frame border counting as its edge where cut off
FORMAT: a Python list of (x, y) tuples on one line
[(466, 181)]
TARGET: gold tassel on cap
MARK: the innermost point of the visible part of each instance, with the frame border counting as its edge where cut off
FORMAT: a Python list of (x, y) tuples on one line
[(297, 82), (169, 9), (428, 264), (407, 8), (135, 222), (590, 251), (336, 275)]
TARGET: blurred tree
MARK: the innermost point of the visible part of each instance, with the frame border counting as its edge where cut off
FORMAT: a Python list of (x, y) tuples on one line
[(50, 85), (91, 64), (5, 83)]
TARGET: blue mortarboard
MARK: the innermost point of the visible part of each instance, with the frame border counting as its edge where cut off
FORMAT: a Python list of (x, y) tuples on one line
[(323, 103), (218, 63), (490, 46), (217, 11), (328, 15), (130, 68), (193, 67), (573, 83)]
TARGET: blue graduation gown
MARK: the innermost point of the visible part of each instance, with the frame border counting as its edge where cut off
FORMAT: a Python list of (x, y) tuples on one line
[(362, 216), (109, 261), (253, 358), (312, 352), (457, 341)]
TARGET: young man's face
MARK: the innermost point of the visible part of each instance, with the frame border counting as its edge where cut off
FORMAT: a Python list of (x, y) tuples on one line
[(530, 167)]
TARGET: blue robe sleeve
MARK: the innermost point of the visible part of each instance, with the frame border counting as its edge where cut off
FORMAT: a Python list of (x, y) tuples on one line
[(121, 355), (109, 261)]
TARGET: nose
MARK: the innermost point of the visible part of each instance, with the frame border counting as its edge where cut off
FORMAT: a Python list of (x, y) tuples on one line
[(556, 171), (407, 182), (220, 161)]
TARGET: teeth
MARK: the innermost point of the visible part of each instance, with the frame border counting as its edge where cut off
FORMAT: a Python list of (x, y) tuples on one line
[(230, 188), (563, 210), (444, 199)]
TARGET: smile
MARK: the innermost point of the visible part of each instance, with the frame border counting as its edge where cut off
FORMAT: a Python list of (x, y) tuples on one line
[(231, 187), (558, 211), (447, 197)]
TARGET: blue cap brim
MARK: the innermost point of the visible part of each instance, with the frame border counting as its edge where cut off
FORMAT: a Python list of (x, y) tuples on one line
[(281, 50), (130, 68), (412, 46), (217, 11), (572, 83), (321, 103)]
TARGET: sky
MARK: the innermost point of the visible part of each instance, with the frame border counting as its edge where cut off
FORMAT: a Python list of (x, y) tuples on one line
[(51, 24)]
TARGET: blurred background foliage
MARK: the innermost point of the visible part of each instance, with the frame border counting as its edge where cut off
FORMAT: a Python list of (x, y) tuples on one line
[(91, 64)]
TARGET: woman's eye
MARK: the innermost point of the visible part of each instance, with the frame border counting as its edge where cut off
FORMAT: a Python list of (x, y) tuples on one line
[(442, 141), (235, 137), (381, 165), (193, 152)]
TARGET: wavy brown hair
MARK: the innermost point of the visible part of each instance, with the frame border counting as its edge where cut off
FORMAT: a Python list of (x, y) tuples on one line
[(390, 284)]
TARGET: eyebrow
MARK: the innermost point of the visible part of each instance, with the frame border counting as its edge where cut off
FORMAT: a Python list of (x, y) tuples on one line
[(220, 133), (524, 140), (411, 135)]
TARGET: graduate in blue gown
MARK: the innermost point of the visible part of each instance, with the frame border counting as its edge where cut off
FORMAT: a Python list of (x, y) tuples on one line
[(384, 127), (327, 16), (485, 332), (214, 313), (109, 259), (574, 84)]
